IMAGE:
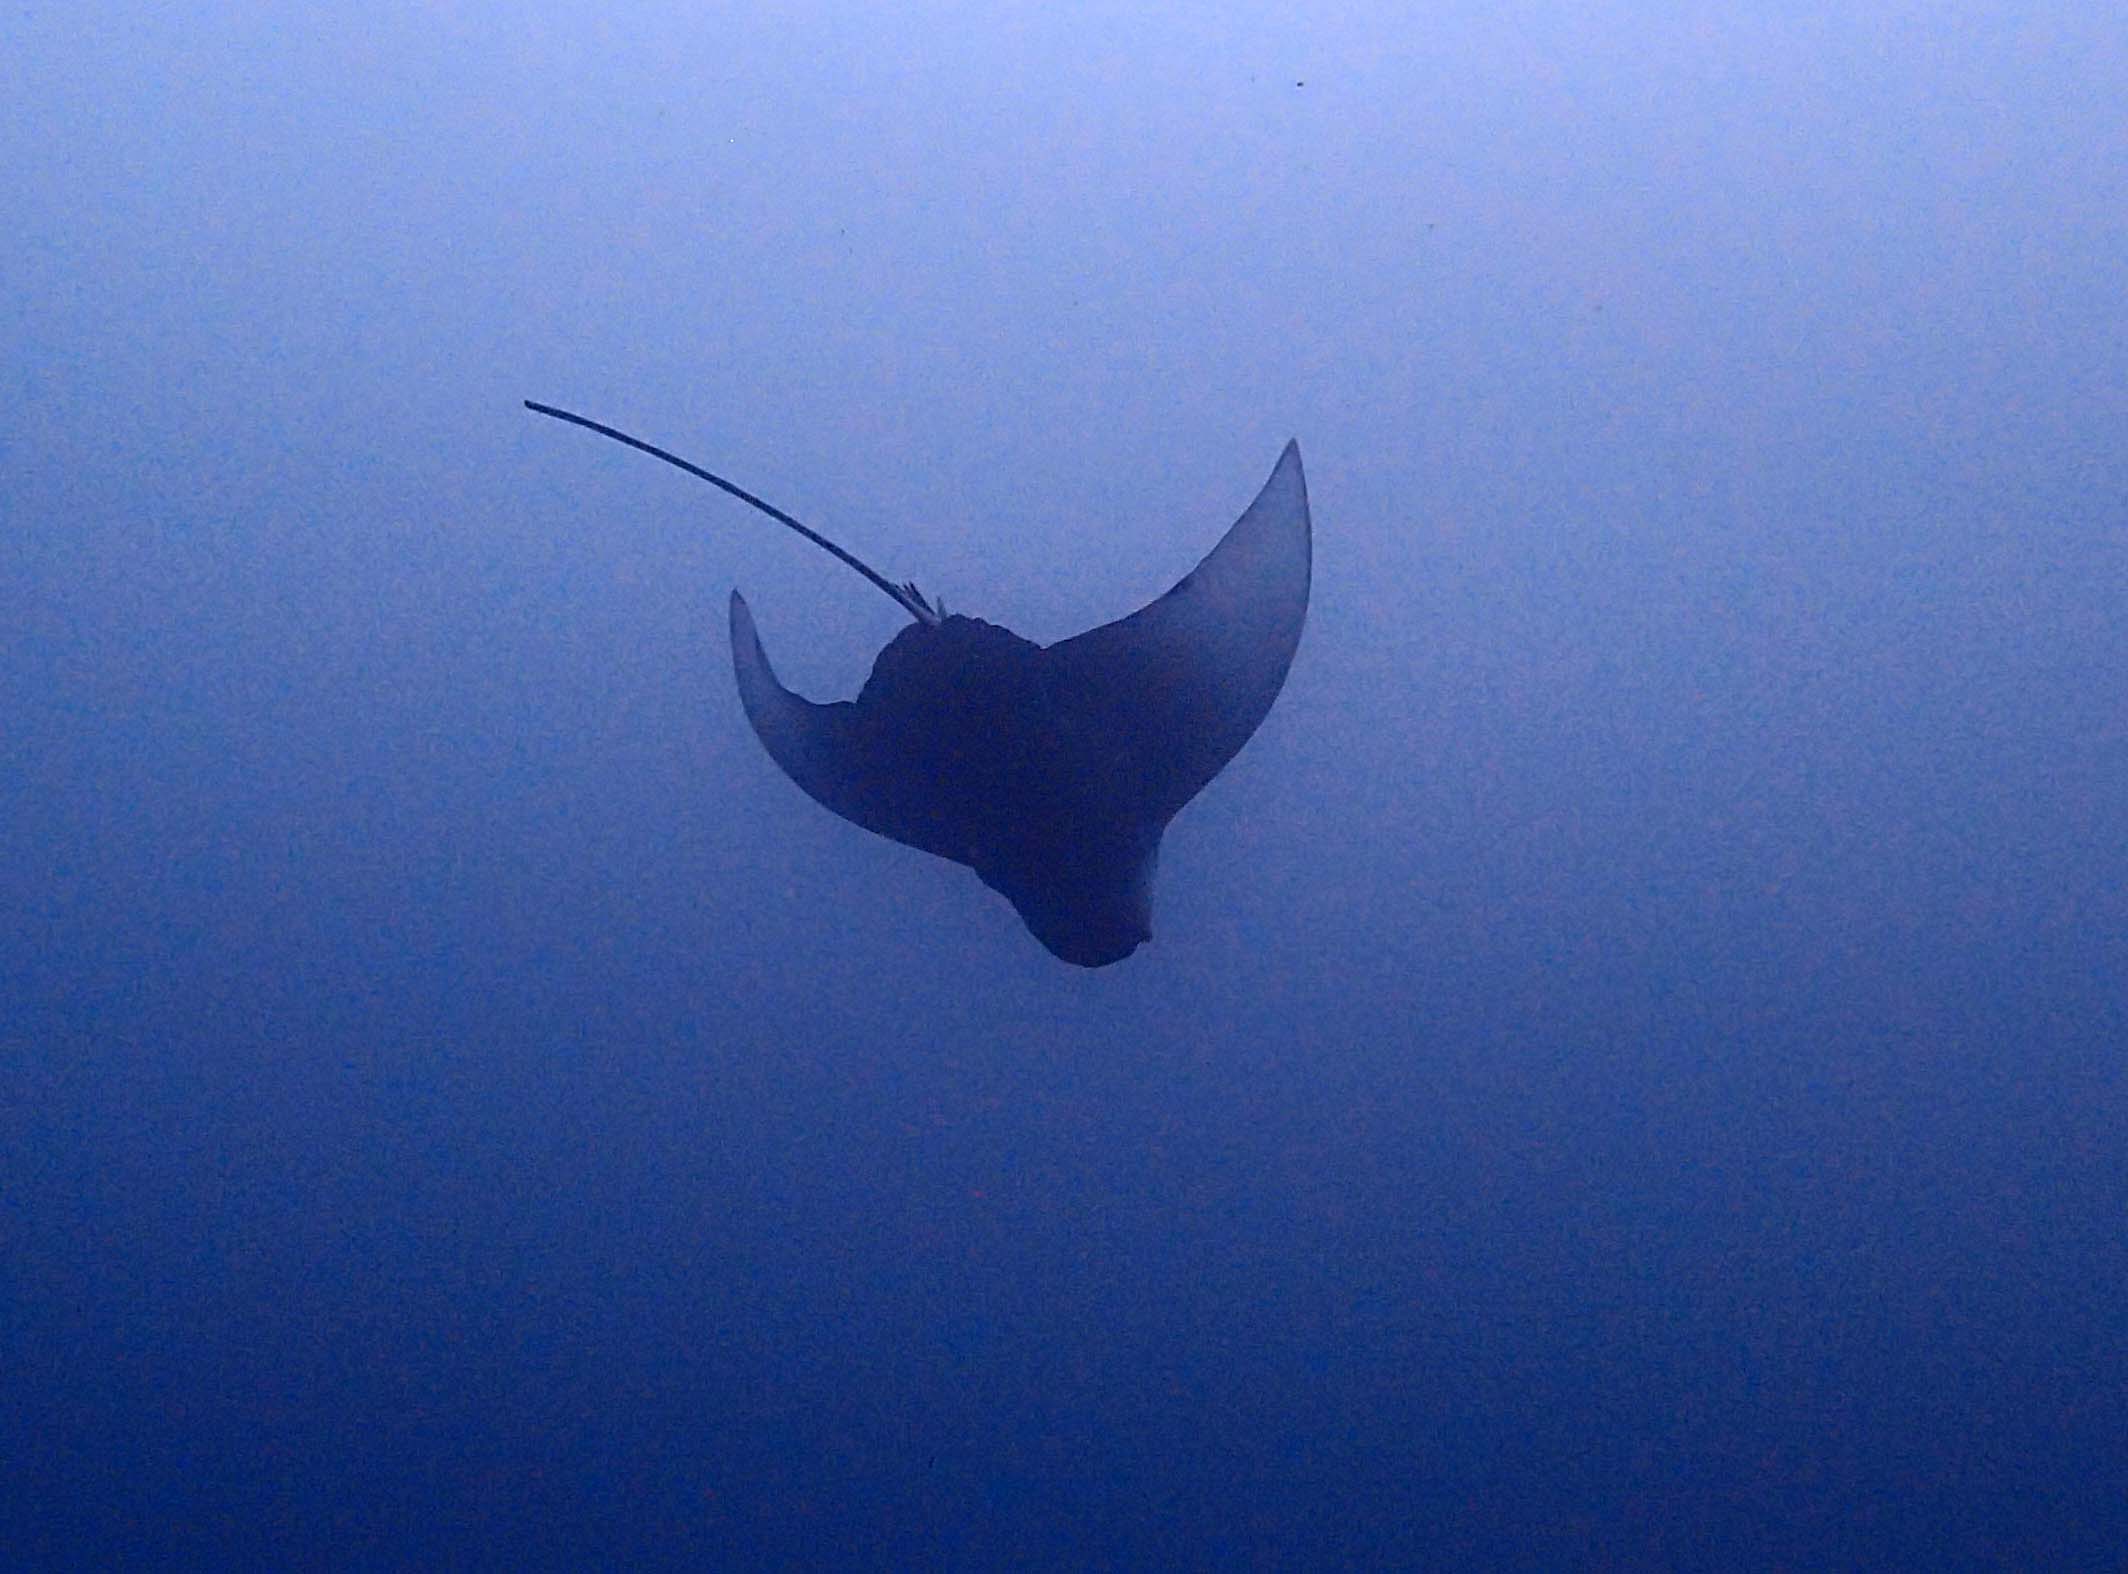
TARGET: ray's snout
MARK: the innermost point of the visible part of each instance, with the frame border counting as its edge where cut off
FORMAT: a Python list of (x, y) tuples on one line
[(1098, 913), (1094, 945)]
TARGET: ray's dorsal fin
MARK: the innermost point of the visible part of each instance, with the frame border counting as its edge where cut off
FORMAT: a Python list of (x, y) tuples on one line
[(905, 595)]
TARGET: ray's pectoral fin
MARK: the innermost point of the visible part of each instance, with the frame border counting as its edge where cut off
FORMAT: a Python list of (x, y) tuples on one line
[(837, 752), (814, 744), (1174, 690)]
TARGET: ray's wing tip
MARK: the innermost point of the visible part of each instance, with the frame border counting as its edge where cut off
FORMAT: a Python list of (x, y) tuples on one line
[(1289, 468), (1289, 480), (742, 626)]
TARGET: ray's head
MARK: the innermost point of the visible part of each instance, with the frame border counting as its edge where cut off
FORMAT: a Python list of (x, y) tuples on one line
[(1088, 905)]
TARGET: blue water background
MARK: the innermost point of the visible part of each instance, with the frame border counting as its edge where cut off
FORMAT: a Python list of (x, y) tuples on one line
[(1630, 1068)]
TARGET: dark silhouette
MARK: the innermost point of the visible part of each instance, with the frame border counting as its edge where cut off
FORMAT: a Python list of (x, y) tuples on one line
[(1050, 771)]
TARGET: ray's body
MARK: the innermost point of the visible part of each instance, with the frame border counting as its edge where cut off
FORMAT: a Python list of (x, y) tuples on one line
[(1052, 771)]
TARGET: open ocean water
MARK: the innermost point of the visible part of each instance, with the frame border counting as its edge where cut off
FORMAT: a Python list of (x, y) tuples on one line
[(1629, 1071)]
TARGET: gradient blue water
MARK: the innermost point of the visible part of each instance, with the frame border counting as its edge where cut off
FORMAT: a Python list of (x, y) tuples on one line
[(1629, 1071)]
